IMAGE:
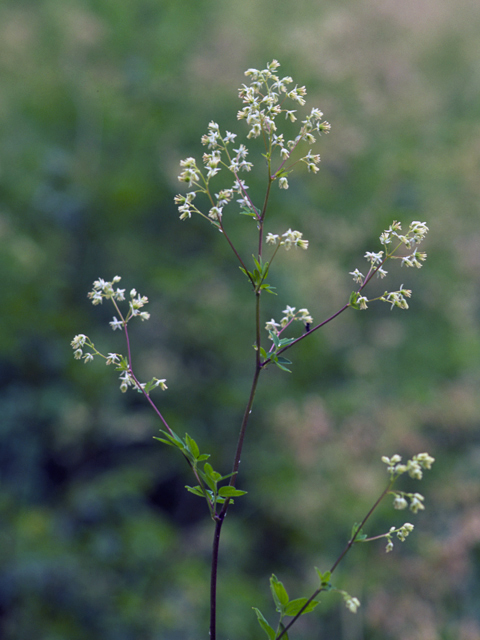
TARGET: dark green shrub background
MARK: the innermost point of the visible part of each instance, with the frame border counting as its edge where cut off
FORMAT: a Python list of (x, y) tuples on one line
[(99, 100)]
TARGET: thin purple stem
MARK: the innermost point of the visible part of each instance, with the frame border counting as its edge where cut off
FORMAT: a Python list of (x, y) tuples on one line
[(139, 386), (219, 518)]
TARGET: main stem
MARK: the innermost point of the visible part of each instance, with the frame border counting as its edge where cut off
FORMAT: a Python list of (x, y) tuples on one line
[(220, 517)]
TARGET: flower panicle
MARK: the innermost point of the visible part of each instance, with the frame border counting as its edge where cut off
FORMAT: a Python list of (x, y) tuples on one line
[(415, 235), (84, 349), (263, 101), (290, 314)]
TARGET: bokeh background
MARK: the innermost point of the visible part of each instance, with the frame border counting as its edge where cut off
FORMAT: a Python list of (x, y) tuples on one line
[(99, 100)]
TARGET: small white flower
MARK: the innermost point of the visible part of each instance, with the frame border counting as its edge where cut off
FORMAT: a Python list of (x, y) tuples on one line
[(424, 460), (289, 311), (399, 502), (78, 341), (362, 302), (416, 503), (358, 277), (116, 324), (352, 604), (272, 238), (273, 326), (374, 258), (403, 532)]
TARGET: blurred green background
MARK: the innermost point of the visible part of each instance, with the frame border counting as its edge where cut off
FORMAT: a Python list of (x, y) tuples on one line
[(99, 100)]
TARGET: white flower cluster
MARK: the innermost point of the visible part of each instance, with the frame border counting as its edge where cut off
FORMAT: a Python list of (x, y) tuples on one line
[(351, 603), (397, 298), (127, 380), (193, 176), (416, 501), (288, 239), (78, 343), (81, 342), (415, 234), (414, 467), (105, 289), (263, 99), (402, 532), (262, 108), (290, 314)]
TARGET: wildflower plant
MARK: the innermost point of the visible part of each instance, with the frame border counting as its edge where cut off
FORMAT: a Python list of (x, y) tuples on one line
[(268, 101)]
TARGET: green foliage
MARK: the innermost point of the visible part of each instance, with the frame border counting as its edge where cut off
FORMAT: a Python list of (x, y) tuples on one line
[(258, 275)]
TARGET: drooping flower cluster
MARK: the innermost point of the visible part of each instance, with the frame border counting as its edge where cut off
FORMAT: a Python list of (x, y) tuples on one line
[(415, 468), (416, 233), (290, 314), (350, 602), (288, 239), (402, 532), (103, 289), (264, 101)]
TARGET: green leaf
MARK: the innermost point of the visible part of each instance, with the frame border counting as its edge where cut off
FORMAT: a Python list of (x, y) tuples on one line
[(264, 624), (353, 300), (294, 606), (208, 481), (230, 492), (192, 446), (360, 536), (263, 353), (214, 475), (149, 386), (196, 490), (282, 627), (269, 289), (208, 476), (171, 439), (247, 273), (229, 475), (122, 365), (203, 456), (258, 264), (283, 360), (245, 211), (275, 339), (280, 366), (279, 593), (285, 341), (324, 579)]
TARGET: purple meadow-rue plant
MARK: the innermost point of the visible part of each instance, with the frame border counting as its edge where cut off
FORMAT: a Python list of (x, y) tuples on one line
[(268, 101)]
